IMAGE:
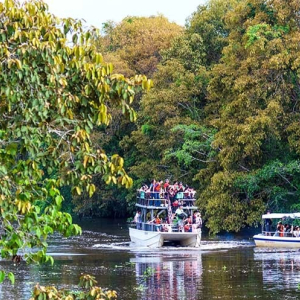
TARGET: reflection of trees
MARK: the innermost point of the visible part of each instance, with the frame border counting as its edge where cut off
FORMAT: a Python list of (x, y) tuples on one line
[(280, 269), (231, 275), (173, 277)]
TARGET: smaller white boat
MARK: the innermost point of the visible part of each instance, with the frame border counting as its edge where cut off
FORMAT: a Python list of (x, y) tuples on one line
[(281, 232)]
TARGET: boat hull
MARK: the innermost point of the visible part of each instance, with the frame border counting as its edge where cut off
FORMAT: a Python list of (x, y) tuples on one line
[(276, 241), (154, 239)]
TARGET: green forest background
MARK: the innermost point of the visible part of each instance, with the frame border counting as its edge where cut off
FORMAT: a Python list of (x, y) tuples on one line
[(222, 115)]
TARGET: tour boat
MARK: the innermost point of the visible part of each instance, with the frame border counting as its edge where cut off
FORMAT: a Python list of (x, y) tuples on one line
[(271, 237), (148, 234)]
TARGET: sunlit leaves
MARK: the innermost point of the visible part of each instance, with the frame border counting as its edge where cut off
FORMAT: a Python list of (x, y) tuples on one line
[(54, 90), (253, 103), (138, 41), (9, 275), (87, 289)]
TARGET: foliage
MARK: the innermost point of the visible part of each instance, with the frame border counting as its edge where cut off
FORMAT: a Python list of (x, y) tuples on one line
[(139, 40), (196, 146), (133, 45), (52, 96), (253, 104), (166, 105), (277, 182), (224, 111), (10, 277), (177, 98), (148, 272), (88, 291)]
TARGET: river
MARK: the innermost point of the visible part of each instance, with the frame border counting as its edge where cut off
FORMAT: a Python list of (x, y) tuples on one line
[(226, 267)]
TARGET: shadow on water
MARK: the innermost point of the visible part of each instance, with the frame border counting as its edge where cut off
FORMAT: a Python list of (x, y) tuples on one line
[(226, 267)]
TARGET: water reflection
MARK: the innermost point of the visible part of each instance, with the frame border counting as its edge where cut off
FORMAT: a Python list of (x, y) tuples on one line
[(280, 268), (224, 268), (173, 277)]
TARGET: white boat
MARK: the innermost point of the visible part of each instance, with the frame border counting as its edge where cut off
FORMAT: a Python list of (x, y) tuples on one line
[(149, 234), (278, 239)]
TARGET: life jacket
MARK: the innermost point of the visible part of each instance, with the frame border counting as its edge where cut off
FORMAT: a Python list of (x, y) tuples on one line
[(157, 187), (281, 230)]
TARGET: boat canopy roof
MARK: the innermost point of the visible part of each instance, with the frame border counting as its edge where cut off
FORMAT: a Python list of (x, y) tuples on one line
[(281, 215)]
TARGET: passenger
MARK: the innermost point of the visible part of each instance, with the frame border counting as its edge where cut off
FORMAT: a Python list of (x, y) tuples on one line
[(175, 188), (192, 193), (268, 224), (296, 232), (197, 222), (188, 224), (161, 191), (151, 191), (172, 194), (280, 229), (166, 187), (166, 227), (180, 187), (174, 220), (156, 193), (181, 215), (158, 223), (175, 205), (138, 219), (287, 230)]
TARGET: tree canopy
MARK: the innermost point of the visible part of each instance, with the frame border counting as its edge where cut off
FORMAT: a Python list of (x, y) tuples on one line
[(138, 41), (55, 90), (223, 114)]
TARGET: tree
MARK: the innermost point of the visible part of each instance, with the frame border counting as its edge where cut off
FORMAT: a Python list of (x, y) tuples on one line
[(176, 104), (139, 40), (54, 91), (133, 45), (254, 105), (168, 104), (204, 37)]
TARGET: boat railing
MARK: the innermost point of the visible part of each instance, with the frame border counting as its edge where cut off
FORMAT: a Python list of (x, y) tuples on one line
[(156, 199), (164, 227), (278, 233)]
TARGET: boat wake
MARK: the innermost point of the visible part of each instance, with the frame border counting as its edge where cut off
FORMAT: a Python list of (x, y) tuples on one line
[(205, 246), (216, 245)]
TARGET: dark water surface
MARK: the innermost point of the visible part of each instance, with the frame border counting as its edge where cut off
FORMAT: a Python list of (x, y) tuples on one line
[(226, 267)]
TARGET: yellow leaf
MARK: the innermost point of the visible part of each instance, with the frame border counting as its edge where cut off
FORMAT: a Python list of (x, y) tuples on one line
[(85, 160), (108, 179), (78, 190)]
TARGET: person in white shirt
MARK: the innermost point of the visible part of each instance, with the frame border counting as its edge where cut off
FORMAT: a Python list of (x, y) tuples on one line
[(296, 231), (181, 215)]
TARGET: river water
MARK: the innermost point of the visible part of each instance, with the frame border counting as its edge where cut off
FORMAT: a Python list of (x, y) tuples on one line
[(226, 267)]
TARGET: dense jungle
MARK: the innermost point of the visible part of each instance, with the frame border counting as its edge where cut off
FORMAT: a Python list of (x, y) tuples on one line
[(222, 115)]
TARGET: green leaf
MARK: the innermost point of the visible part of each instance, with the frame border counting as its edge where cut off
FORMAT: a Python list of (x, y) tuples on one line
[(58, 200), (11, 277), (2, 276)]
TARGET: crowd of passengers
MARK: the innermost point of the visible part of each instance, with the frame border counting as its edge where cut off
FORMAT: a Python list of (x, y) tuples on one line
[(179, 221), (175, 192), (282, 229)]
